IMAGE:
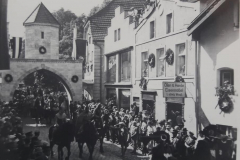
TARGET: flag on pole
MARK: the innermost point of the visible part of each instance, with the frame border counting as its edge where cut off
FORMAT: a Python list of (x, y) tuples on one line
[(16, 46)]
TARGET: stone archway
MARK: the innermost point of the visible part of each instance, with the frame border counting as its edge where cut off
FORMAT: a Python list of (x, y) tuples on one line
[(53, 71), (63, 69)]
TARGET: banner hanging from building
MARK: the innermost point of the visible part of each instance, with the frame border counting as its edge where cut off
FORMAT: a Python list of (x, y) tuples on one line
[(174, 90)]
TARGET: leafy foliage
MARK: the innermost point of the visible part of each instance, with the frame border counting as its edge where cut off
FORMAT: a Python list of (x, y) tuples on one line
[(67, 21), (98, 8), (44, 79), (225, 90)]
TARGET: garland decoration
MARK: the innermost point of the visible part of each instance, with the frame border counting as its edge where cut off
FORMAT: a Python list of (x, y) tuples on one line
[(42, 50), (224, 101), (8, 78), (143, 83), (225, 104), (151, 60), (74, 79), (169, 57), (179, 79)]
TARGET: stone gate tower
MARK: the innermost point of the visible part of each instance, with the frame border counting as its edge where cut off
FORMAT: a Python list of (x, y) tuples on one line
[(41, 35)]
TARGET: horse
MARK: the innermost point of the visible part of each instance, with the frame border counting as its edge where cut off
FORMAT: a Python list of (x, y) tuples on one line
[(86, 134), (61, 136)]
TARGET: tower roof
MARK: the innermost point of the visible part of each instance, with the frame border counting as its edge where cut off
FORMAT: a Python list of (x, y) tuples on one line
[(41, 15)]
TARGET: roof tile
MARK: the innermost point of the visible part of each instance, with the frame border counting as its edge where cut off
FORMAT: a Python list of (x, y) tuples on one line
[(100, 21)]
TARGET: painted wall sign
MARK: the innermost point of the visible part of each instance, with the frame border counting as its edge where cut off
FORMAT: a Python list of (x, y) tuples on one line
[(174, 89)]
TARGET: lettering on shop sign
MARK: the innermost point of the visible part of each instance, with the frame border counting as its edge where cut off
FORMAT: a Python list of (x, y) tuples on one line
[(174, 89)]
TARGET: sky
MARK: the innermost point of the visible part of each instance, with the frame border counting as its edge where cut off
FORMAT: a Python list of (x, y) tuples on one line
[(19, 10)]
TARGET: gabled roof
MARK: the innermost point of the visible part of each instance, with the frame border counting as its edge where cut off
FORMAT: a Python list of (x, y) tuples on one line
[(204, 15), (41, 15), (100, 21)]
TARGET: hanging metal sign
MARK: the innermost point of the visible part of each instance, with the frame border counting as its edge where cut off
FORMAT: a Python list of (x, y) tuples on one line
[(174, 89)]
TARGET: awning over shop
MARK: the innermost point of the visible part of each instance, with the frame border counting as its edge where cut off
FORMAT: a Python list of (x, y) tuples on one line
[(120, 50)]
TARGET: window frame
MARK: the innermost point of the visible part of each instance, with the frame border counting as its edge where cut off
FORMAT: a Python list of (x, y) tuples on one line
[(115, 35), (169, 30), (120, 66), (119, 34), (145, 61), (231, 71), (177, 55), (108, 75), (152, 29), (157, 60)]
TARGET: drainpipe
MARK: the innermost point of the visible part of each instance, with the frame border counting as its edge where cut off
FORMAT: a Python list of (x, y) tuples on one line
[(101, 53), (196, 87)]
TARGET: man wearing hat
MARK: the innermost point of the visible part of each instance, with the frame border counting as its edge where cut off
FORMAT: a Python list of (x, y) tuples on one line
[(224, 148), (202, 151), (190, 143), (134, 136), (106, 120), (112, 123)]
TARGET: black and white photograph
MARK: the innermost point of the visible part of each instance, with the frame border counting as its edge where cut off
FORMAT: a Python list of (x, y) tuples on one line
[(119, 79)]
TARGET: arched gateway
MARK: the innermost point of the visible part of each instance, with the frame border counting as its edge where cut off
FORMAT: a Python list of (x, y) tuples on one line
[(63, 69), (42, 52)]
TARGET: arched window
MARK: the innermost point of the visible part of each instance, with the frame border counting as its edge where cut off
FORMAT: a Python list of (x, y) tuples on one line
[(226, 75)]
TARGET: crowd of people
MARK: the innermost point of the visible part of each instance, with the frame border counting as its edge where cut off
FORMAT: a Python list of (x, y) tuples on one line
[(14, 143), (160, 139)]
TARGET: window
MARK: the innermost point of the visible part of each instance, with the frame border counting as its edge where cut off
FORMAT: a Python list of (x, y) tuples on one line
[(160, 63), (125, 66), (226, 75), (181, 59), (124, 98), (42, 35), (115, 35), (111, 95), (119, 33), (111, 69), (144, 67), (169, 23), (152, 30)]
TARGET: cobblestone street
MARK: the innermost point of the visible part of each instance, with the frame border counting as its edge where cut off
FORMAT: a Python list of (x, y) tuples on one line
[(111, 151)]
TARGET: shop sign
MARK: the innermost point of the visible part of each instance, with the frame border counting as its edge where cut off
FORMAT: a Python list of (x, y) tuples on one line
[(174, 89)]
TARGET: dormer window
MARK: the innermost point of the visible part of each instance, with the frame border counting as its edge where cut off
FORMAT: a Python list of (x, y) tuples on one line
[(42, 35)]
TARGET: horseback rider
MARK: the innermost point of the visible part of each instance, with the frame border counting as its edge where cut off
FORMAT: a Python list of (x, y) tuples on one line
[(83, 118), (60, 119), (97, 115)]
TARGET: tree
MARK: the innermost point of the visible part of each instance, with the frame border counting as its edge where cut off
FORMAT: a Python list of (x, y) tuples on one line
[(67, 21), (97, 8)]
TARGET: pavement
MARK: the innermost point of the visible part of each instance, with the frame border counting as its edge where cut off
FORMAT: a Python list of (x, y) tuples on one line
[(111, 151)]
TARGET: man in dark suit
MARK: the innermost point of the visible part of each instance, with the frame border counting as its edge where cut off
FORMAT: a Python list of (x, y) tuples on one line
[(202, 151)]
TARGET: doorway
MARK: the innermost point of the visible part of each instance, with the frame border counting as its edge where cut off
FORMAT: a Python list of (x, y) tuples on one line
[(174, 111)]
